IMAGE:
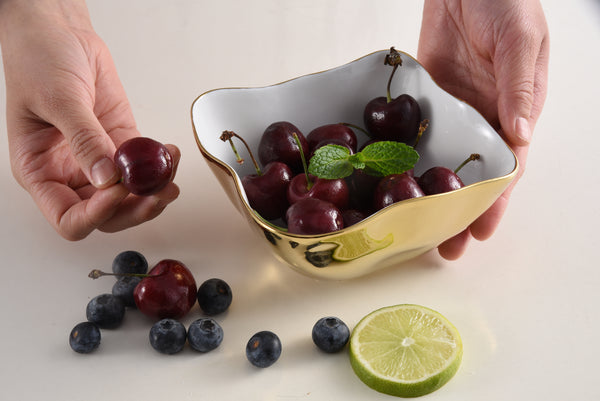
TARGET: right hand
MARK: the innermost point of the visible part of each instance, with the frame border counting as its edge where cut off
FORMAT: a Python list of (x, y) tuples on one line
[(67, 112)]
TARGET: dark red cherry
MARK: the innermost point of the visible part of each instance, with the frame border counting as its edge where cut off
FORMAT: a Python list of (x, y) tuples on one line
[(168, 292), (334, 191), (395, 120), (278, 144), (267, 192), (362, 189), (438, 180), (337, 134), (146, 165), (395, 188), (311, 216), (352, 216), (441, 179)]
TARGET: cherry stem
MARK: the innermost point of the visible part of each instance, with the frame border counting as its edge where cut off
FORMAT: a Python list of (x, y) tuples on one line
[(422, 127), (361, 129), (392, 58), (227, 135), (474, 156), (309, 183), (96, 273)]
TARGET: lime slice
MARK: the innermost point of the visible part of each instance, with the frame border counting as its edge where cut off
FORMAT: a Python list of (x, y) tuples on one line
[(355, 244), (405, 350)]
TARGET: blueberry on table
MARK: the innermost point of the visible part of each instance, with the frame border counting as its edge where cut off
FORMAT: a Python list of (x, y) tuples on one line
[(214, 296), (105, 310), (130, 262), (85, 337), (123, 289), (204, 334), (168, 336), (330, 334), (263, 349)]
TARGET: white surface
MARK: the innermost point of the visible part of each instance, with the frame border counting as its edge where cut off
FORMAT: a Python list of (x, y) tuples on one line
[(524, 301)]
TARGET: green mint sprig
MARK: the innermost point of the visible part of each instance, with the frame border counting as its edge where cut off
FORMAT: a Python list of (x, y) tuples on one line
[(379, 159)]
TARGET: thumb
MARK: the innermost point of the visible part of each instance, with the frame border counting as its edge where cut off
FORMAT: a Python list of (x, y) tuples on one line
[(90, 145), (515, 73)]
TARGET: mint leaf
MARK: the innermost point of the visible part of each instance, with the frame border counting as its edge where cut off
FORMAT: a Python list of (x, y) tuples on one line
[(388, 157), (331, 162), (379, 159)]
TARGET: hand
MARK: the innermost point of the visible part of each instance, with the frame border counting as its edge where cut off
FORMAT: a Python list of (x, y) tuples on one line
[(494, 55), (67, 113)]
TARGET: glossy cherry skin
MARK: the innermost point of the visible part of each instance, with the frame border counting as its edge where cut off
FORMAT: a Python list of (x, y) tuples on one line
[(146, 165), (169, 292), (338, 134), (362, 189), (277, 143), (438, 180), (352, 216), (311, 216), (395, 188), (397, 120), (267, 193), (334, 191)]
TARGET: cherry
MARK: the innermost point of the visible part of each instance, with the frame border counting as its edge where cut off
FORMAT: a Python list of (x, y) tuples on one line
[(334, 191), (308, 186), (337, 134), (169, 291), (146, 165), (278, 144), (393, 119), (395, 188), (440, 179), (352, 216), (362, 187), (311, 216), (267, 189)]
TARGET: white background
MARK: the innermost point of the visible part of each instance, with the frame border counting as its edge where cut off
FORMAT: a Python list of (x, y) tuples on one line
[(525, 301)]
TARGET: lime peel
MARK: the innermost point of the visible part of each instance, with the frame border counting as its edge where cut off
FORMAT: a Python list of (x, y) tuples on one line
[(405, 350)]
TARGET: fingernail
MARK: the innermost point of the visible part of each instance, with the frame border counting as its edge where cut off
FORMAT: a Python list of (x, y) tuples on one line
[(522, 129), (104, 172)]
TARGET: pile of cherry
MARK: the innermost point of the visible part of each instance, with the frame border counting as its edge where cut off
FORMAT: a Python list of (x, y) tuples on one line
[(285, 190), (166, 293)]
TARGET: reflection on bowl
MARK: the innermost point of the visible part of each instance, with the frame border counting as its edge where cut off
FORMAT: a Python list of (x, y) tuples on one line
[(397, 233)]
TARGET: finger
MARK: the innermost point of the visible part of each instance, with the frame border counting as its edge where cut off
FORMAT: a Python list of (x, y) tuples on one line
[(456, 246), (72, 217), (136, 210), (516, 64)]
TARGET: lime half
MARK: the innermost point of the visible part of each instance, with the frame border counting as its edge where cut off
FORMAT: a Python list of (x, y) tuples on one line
[(405, 350)]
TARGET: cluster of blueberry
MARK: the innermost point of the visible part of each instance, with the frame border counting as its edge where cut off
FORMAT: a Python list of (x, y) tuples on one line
[(168, 335)]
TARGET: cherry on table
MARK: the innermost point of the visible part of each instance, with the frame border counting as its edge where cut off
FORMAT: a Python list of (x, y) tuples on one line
[(146, 165)]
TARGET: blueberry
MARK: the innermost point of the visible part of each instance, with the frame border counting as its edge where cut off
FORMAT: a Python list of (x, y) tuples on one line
[(85, 337), (214, 296), (263, 349), (106, 310), (204, 335), (130, 262), (123, 289), (330, 334), (168, 336)]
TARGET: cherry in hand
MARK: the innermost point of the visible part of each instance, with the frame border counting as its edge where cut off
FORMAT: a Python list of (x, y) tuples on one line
[(391, 119), (146, 165), (267, 189)]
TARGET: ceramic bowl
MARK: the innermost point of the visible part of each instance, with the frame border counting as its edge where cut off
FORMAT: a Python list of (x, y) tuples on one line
[(392, 235)]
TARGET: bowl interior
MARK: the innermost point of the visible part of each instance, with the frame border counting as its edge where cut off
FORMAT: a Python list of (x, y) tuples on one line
[(339, 95)]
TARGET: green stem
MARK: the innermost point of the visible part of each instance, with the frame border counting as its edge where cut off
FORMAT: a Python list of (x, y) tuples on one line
[(99, 273), (361, 129), (309, 183), (392, 58), (422, 127), (473, 156), (227, 135)]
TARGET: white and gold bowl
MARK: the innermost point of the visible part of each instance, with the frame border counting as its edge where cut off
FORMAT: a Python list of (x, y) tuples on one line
[(392, 235)]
